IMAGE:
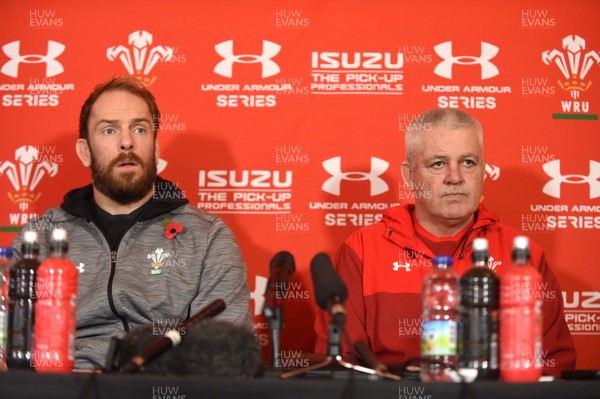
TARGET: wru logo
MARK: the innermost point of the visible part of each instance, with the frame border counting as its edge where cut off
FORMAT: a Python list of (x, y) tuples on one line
[(27, 175), (140, 58), (576, 68), (158, 257)]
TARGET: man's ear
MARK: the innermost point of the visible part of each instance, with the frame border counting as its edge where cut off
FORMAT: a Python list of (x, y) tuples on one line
[(83, 152), (407, 176)]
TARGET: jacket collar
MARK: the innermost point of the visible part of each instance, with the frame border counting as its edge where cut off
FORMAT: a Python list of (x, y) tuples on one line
[(399, 226), (167, 197)]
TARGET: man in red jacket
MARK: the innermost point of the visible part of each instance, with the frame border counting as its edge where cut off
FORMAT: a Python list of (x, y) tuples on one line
[(383, 265)]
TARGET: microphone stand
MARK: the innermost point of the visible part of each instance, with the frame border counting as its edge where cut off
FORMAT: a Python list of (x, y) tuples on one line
[(334, 355), (274, 315)]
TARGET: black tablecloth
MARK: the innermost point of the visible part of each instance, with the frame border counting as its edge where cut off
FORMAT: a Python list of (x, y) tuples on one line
[(23, 384)]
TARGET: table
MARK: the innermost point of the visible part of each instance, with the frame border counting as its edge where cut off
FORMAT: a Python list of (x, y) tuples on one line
[(24, 384)]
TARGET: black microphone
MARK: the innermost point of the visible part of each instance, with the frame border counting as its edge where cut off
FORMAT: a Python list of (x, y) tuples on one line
[(171, 338), (330, 290), (282, 266)]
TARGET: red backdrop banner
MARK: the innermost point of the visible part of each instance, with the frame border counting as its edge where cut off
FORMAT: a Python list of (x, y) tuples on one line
[(287, 119)]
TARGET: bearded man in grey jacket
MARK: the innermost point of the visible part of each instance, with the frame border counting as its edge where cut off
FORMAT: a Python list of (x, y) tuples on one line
[(144, 254)]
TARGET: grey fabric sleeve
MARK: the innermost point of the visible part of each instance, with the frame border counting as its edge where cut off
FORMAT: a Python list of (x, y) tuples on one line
[(224, 276)]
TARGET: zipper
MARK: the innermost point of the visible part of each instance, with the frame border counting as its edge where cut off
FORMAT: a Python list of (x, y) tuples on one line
[(468, 242), (109, 287), (109, 290), (463, 242)]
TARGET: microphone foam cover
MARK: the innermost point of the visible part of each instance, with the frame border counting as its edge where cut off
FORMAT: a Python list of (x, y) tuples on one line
[(284, 259), (210, 348), (327, 283)]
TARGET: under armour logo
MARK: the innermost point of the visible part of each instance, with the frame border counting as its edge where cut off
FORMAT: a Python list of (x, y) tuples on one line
[(398, 265), (493, 171), (269, 67), (80, 267), (260, 285), (444, 68), (333, 166), (161, 166), (13, 51), (552, 188)]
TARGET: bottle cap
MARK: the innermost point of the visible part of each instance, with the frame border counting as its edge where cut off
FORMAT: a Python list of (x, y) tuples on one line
[(480, 253), (521, 249), (58, 243), (6, 252), (480, 244), (30, 236), (59, 234), (443, 260), (521, 242)]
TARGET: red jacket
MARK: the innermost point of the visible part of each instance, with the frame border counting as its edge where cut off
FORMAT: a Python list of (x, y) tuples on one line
[(383, 266)]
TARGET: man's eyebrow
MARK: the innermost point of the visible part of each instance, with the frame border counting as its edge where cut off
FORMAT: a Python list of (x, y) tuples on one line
[(470, 155), (444, 156), (116, 121), (438, 156), (138, 120), (107, 121)]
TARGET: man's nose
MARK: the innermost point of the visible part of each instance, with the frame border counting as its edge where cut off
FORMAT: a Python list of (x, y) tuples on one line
[(454, 174), (125, 141)]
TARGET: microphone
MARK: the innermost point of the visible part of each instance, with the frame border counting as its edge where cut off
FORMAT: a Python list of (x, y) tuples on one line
[(282, 266), (212, 348), (330, 290), (171, 338)]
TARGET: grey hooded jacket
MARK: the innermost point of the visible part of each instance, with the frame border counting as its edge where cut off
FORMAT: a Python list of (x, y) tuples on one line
[(149, 279)]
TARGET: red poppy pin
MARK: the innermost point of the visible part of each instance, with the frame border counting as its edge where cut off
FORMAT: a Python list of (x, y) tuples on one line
[(172, 230)]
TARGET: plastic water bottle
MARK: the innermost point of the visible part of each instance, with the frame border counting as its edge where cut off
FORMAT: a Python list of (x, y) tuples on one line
[(520, 317), (478, 327), (21, 294), (439, 347), (5, 259), (55, 309)]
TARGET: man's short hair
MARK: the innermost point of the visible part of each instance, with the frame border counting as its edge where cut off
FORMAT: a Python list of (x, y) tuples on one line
[(131, 85), (439, 118)]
